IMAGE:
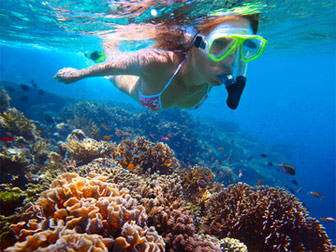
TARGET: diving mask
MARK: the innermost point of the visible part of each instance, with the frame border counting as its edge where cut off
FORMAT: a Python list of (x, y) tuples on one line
[(220, 43), (224, 40)]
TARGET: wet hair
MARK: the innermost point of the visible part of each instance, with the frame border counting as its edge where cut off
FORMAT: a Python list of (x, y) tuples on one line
[(172, 36)]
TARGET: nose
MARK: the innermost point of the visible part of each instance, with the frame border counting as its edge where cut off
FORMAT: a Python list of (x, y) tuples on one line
[(231, 58)]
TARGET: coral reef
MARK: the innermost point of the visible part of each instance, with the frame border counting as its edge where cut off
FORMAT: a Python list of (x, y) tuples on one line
[(83, 150), (143, 156), (197, 183), (226, 244), (61, 239), (90, 206), (118, 118), (265, 219), (4, 101), (14, 123), (232, 245)]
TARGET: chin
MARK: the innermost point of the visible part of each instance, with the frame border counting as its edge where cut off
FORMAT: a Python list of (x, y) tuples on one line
[(215, 83)]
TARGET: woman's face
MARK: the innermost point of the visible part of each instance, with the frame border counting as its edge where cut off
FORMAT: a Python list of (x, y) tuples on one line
[(209, 69)]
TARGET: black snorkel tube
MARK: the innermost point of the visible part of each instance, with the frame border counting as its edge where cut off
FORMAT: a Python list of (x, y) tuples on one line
[(234, 86)]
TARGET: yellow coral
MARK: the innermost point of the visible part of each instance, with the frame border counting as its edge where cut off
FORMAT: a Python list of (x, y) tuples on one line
[(83, 149)]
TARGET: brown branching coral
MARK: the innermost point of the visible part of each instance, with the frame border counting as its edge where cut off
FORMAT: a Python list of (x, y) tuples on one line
[(90, 206), (162, 197), (147, 156), (265, 219), (83, 150), (197, 183)]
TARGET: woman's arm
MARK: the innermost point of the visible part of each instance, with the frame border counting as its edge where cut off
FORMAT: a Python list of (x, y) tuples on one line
[(140, 63)]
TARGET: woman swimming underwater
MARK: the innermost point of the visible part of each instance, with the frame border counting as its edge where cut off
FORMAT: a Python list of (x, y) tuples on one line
[(180, 72)]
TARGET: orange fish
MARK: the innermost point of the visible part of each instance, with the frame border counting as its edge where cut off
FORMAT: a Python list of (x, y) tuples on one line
[(218, 224), (259, 182), (229, 159), (316, 194), (106, 137), (125, 162), (165, 138), (130, 166), (220, 148)]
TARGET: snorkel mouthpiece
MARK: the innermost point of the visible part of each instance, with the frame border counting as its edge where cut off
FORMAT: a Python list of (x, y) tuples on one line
[(235, 91), (226, 79)]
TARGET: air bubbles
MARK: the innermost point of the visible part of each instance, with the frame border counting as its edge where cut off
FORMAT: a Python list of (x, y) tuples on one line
[(154, 12)]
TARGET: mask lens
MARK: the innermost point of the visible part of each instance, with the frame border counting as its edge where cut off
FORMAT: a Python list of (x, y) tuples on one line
[(252, 48), (221, 46)]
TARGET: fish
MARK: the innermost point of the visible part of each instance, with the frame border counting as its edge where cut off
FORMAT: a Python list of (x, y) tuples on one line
[(7, 139), (10, 89), (106, 137), (220, 148), (105, 127), (240, 174), (41, 92), (288, 169), (229, 159), (270, 164), (48, 119), (130, 166), (33, 82), (316, 194), (24, 98), (24, 87), (259, 182), (294, 182), (327, 219), (299, 190), (218, 224), (165, 138), (263, 155), (121, 133)]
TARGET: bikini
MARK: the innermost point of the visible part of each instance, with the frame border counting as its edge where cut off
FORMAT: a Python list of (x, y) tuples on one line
[(153, 102)]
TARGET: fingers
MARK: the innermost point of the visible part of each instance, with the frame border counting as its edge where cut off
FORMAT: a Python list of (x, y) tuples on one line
[(67, 75)]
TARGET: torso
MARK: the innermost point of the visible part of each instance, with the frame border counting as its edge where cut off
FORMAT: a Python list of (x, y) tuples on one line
[(177, 94)]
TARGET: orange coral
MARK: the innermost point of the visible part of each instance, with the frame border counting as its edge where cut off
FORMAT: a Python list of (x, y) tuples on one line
[(61, 239), (84, 205)]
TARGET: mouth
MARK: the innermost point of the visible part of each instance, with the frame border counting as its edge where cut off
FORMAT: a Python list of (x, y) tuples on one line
[(225, 78)]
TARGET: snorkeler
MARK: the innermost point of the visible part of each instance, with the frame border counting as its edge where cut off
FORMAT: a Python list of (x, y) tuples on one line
[(180, 74)]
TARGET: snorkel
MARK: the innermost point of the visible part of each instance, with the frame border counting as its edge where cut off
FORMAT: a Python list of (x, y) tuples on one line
[(235, 86), (220, 43)]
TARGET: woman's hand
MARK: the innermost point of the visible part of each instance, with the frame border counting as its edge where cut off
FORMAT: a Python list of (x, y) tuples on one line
[(68, 75)]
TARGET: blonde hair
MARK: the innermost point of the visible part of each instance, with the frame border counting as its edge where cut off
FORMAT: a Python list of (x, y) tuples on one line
[(172, 36)]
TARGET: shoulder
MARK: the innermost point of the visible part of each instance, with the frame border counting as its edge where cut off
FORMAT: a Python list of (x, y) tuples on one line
[(155, 58)]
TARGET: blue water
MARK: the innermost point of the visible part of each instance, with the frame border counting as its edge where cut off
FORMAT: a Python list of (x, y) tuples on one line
[(289, 102)]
